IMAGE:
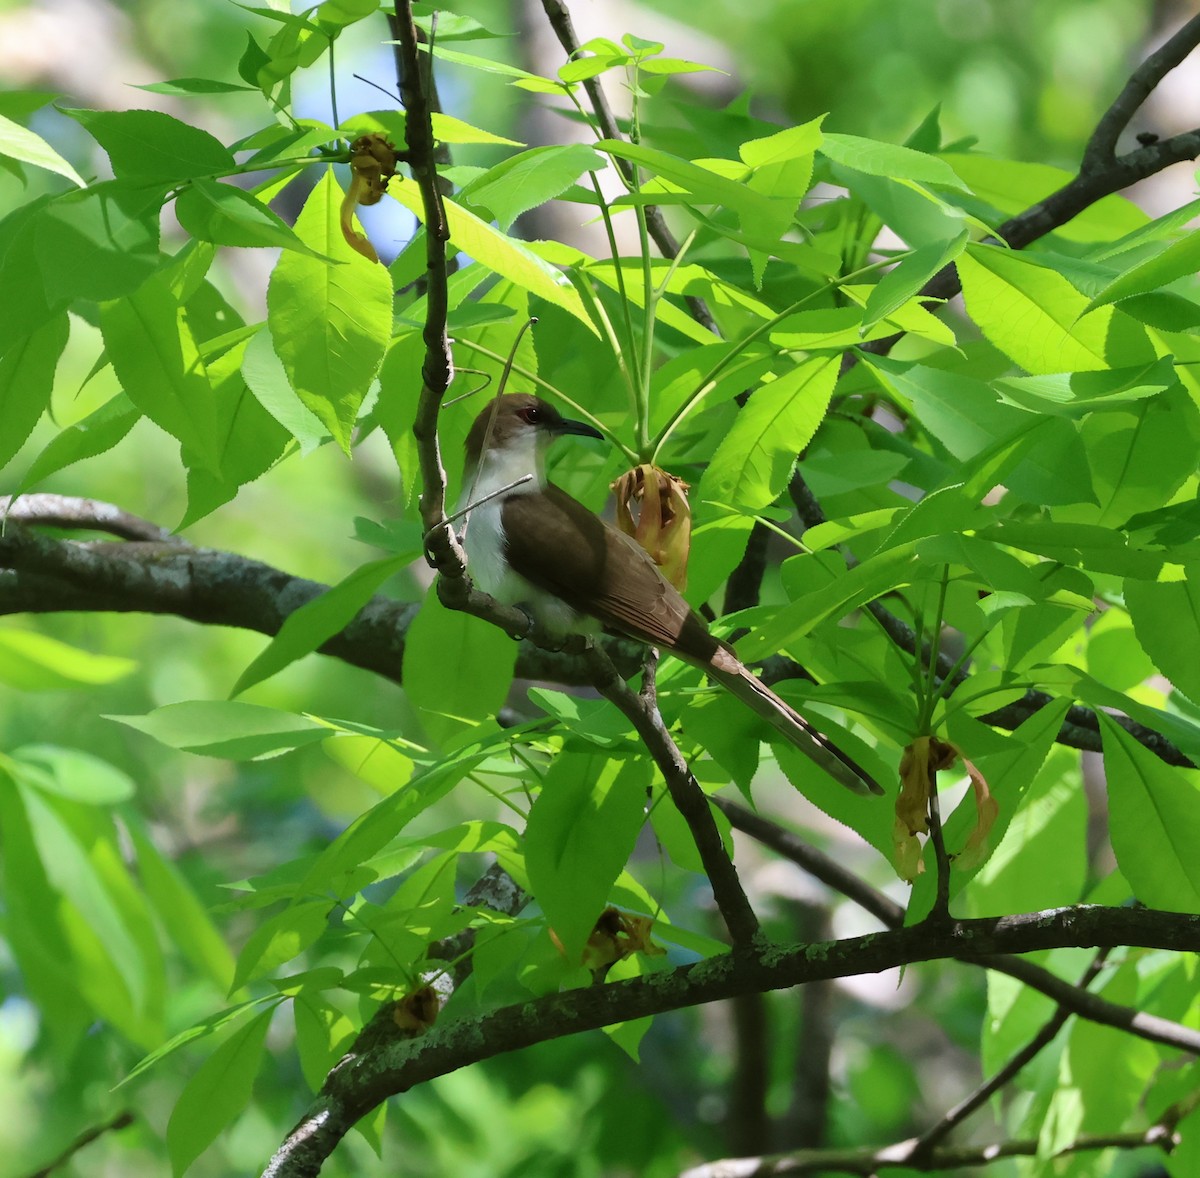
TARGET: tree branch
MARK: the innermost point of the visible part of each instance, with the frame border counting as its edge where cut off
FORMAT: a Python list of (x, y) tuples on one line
[(841, 879), (361, 1081), (689, 799)]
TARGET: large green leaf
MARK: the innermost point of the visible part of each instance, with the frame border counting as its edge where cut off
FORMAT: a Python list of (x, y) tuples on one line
[(330, 321), (280, 938), (227, 215), (456, 666), (318, 620), (1036, 317), (1166, 619), (754, 461), (888, 159), (20, 143), (580, 834), (530, 178), (1154, 822), (100, 243), (37, 662), (152, 350), (218, 1092), (148, 145), (227, 728), (100, 431)]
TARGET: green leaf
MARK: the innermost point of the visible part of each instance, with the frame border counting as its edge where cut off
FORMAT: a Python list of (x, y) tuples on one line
[(754, 460), (183, 916), (1141, 456), (446, 128), (98, 244), (26, 381), (508, 257), (1166, 619), (226, 215), (876, 158), (186, 87), (226, 728), (530, 178), (755, 211), (20, 143), (330, 321), (158, 363), (37, 662), (1012, 186), (148, 145), (876, 575), (1154, 822), (70, 773), (372, 831), (323, 1034), (267, 379), (1178, 260), (1036, 317), (315, 621), (909, 276), (276, 940), (964, 414), (97, 433), (219, 1092), (580, 833), (249, 439), (482, 657), (1073, 394)]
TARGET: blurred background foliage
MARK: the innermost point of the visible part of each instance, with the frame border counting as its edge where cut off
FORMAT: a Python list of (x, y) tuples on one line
[(1026, 78)]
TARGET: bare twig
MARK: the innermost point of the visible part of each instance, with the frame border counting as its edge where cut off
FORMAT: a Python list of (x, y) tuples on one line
[(642, 712), (120, 1121), (560, 21), (924, 1145)]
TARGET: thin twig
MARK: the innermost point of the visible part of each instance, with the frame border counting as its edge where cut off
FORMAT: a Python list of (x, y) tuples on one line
[(642, 711), (924, 1145), (560, 21), (120, 1121)]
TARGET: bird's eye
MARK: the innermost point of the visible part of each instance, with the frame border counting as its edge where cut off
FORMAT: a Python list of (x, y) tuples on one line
[(531, 415)]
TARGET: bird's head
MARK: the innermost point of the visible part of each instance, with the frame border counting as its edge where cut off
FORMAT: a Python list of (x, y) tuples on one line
[(516, 428)]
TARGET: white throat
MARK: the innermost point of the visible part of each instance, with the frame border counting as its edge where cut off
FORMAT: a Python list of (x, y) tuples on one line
[(482, 530)]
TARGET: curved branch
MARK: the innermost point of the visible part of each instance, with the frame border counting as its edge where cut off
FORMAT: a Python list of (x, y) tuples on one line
[(362, 1080)]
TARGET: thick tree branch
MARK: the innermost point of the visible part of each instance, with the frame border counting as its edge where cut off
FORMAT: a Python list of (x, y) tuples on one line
[(361, 1081)]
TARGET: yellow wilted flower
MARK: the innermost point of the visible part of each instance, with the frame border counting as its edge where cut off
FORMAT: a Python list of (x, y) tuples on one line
[(664, 517), (372, 164), (918, 778)]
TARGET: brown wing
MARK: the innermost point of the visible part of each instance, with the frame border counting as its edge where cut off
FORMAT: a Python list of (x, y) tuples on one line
[(555, 543)]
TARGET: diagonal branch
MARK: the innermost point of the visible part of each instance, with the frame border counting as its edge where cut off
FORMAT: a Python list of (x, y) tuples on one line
[(689, 799)]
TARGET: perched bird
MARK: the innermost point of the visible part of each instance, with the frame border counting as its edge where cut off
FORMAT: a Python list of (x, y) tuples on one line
[(532, 543)]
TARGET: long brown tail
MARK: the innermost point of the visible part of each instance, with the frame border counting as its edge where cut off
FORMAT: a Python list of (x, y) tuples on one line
[(732, 674)]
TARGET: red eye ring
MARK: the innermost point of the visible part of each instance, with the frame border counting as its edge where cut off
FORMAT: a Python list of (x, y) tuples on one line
[(531, 415)]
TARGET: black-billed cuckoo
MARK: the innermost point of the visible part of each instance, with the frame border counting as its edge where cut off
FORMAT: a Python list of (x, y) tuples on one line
[(532, 543)]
